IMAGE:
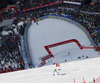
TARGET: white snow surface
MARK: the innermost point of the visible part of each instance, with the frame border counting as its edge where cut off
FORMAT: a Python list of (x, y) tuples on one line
[(87, 68), (50, 31)]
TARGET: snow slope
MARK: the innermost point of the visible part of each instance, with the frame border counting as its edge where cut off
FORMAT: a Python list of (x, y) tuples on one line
[(87, 68), (50, 31)]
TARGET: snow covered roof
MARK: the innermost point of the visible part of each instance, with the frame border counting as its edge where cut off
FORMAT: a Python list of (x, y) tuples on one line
[(6, 22), (70, 2), (20, 23)]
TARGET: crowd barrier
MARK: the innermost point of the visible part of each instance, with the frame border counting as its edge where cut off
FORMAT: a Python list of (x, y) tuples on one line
[(23, 52), (26, 45)]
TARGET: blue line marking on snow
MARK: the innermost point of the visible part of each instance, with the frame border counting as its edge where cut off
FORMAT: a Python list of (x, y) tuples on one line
[(70, 56)]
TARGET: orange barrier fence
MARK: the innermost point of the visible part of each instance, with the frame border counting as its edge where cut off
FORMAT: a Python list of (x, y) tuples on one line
[(88, 47)]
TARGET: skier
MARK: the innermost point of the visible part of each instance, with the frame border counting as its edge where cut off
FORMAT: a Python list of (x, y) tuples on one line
[(33, 20), (69, 55), (55, 72), (58, 66), (36, 22)]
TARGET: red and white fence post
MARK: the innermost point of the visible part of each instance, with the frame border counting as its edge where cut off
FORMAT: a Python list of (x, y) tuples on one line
[(83, 80), (74, 80), (93, 80)]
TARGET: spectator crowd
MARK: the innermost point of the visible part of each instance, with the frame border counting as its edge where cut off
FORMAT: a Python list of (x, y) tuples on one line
[(25, 4), (10, 52)]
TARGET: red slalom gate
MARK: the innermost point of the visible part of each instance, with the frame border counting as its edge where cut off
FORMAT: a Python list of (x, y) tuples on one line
[(84, 80), (74, 80), (33, 19), (98, 49)]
